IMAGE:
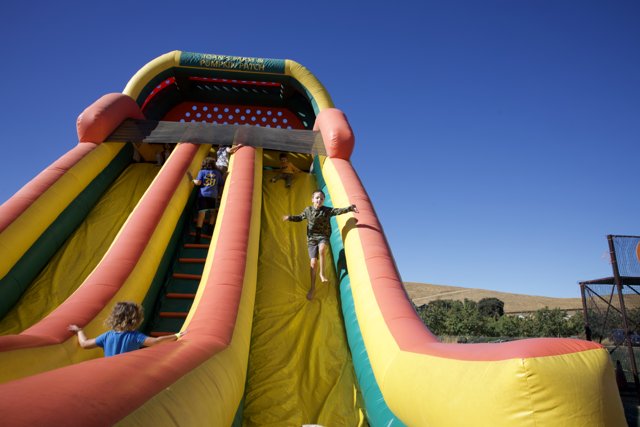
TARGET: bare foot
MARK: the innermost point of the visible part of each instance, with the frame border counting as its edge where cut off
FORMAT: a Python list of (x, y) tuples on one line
[(310, 295), (323, 279)]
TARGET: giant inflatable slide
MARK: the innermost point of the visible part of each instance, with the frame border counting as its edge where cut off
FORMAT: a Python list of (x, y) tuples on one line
[(107, 222)]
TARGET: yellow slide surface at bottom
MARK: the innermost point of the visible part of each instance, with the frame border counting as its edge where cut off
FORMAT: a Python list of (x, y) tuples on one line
[(300, 369), (82, 251)]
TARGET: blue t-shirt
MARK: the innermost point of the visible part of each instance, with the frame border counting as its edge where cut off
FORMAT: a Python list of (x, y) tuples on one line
[(211, 180), (120, 342)]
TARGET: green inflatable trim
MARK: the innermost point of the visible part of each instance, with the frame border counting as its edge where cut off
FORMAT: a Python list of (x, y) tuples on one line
[(235, 63), (153, 298), (376, 409), (18, 279)]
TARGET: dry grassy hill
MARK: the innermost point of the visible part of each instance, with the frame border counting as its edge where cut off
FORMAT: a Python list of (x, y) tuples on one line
[(422, 293)]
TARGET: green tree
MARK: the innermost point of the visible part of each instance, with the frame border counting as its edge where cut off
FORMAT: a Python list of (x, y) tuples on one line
[(434, 315), (549, 322), (464, 319), (507, 326), (633, 317), (575, 325), (491, 307)]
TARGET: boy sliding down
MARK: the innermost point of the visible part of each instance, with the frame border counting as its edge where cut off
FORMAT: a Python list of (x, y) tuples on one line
[(318, 231)]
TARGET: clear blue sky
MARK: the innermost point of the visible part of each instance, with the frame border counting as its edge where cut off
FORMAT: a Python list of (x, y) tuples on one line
[(498, 140)]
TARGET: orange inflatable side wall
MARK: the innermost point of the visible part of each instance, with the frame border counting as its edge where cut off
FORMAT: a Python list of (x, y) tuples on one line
[(105, 281), (404, 324), (102, 117), (336, 133), (68, 396), (19, 202), (217, 310)]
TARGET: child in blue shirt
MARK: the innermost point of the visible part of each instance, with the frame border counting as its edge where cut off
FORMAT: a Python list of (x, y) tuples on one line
[(209, 179), (123, 337)]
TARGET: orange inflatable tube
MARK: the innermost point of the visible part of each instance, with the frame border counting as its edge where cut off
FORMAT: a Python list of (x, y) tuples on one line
[(121, 384)]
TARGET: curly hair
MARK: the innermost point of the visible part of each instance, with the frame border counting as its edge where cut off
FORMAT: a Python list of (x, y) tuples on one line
[(208, 163), (125, 316)]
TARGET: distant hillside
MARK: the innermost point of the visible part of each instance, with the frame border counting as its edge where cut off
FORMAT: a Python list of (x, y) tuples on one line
[(422, 293)]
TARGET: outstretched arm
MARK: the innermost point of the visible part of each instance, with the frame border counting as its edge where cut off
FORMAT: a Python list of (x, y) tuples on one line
[(198, 179), (340, 211), (296, 218), (165, 338), (235, 148), (82, 338)]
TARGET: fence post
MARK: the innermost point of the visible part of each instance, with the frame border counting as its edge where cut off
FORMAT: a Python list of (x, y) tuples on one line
[(618, 283), (585, 314)]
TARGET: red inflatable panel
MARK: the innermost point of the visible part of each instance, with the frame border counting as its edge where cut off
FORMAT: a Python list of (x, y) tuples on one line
[(406, 327), (28, 194), (102, 117), (336, 133)]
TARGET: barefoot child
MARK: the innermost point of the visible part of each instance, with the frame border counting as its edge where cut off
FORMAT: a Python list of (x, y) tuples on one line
[(125, 318), (318, 231)]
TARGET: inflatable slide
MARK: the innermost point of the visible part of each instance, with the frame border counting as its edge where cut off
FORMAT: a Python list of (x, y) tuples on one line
[(105, 223)]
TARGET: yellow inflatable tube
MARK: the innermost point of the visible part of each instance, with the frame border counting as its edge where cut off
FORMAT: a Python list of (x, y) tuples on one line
[(551, 382), (219, 382), (208, 365), (140, 82), (21, 233), (35, 222), (46, 345)]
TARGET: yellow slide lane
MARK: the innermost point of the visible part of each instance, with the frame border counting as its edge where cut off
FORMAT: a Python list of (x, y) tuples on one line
[(82, 251), (300, 369)]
